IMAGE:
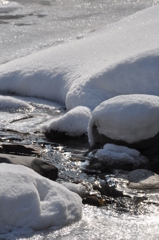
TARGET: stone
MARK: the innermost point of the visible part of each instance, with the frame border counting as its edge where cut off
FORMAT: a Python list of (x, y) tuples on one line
[(101, 140), (143, 179), (126, 120), (44, 169)]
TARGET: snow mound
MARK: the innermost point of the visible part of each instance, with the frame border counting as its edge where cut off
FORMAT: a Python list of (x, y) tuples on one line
[(122, 58), (130, 118), (28, 200), (113, 154), (7, 6), (77, 188), (73, 123), (7, 102)]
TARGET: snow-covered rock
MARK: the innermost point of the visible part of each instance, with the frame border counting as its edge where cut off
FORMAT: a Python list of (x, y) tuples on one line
[(7, 6), (11, 103), (143, 179), (77, 188), (28, 200), (122, 58), (127, 119), (74, 123), (119, 155)]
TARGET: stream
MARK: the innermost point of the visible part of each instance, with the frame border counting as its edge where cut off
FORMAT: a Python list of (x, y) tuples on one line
[(116, 211)]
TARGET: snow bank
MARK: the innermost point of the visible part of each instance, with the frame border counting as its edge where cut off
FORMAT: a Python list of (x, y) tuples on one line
[(122, 58), (6, 6), (77, 188), (130, 118), (13, 103), (113, 154), (28, 200), (73, 123)]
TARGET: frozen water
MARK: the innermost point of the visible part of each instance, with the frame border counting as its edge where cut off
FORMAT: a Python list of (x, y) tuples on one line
[(118, 59), (38, 24)]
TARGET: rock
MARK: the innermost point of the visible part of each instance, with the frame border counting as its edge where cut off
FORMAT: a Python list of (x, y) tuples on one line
[(143, 179), (38, 165), (127, 120), (101, 140), (72, 124), (119, 157), (19, 149)]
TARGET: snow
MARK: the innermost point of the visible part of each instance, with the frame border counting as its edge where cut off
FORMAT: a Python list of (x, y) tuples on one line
[(73, 123), (7, 102), (77, 188), (28, 200), (122, 58), (7, 6), (114, 154), (129, 118)]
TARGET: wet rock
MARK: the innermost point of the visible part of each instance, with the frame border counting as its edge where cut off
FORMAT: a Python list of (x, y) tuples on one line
[(116, 157), (63, 136), (91, 200), (19, 149), (143, 179), (38, 165), (101, 140)]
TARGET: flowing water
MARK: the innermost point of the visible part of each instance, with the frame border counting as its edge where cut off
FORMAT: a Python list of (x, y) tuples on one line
[(29, 26)]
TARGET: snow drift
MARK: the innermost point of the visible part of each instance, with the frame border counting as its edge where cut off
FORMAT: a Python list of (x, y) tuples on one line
[(122, 58)]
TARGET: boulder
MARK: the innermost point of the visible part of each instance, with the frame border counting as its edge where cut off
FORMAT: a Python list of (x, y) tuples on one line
[(127, 120), (44, 169), (143, 179)]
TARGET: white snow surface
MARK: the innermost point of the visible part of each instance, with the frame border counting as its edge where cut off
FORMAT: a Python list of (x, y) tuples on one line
[(73, 123), (130, 118), (7, 102), (28, 200), (122, 58), (7, 6), (77, 188), (113, 154)]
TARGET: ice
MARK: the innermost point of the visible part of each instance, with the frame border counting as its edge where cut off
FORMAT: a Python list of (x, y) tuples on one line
[(11, 103), (73, 123), (28, 200), (126, 118)]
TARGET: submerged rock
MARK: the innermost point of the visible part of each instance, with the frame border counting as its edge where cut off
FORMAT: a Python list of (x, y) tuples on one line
[(143, 179), (44, 169)]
